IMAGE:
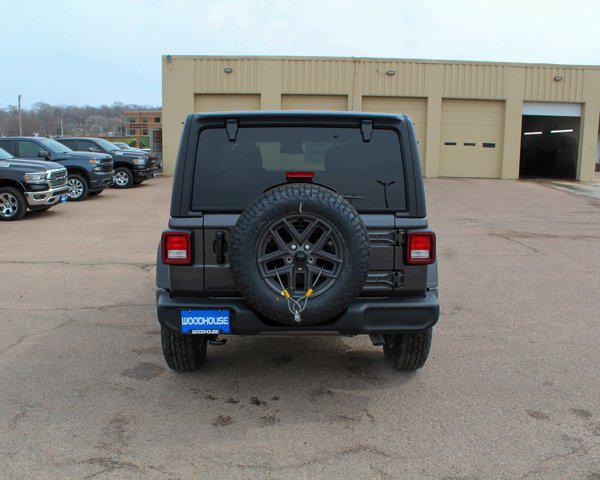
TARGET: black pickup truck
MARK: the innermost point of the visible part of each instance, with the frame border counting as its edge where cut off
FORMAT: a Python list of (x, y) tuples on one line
[(29, 184), (156, 158), (131, 167), (297, 223), (89, 173)]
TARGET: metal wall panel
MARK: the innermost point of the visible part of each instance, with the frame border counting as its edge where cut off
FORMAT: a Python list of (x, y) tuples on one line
[(540, 84), (316, 76), (472, 138), (415, 107), (464, 80), (210, 76), (314, 102), (407, 80), (225, 102)]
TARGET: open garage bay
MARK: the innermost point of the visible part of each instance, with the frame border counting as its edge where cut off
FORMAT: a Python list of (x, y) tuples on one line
[(511, 389)]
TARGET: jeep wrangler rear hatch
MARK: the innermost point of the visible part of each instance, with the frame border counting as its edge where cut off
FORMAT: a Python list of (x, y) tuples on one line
[(369, 159)]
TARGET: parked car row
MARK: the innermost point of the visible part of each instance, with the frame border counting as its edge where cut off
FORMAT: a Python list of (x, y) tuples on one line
[(38, 172)]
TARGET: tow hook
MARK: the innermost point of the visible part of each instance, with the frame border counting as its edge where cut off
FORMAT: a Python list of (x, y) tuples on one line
[(217, 342)]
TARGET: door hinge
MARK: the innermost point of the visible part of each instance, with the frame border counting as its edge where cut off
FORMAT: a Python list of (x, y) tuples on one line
[(399, 237), (220, 247), (398, 279)]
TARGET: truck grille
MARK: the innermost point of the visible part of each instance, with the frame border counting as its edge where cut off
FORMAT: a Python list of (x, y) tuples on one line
[(106, 166), (57, 178)]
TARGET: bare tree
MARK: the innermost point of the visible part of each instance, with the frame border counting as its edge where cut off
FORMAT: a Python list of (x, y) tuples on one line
[(45, 119)]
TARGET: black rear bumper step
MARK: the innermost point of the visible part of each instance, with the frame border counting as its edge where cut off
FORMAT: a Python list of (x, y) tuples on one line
[(364, 316)]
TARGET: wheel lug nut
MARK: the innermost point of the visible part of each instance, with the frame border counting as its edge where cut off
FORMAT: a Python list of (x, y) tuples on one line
[(311, 259), (288, 259), (307, 247), (293, 247)]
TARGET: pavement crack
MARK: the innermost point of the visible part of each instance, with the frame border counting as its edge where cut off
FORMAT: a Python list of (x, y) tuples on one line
[(143, 265), (333, 456), (22, 338), (557, 458), (22, 413), (76, 309), (506, 236)]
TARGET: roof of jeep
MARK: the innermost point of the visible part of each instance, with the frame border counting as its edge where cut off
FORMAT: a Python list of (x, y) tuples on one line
[(301, 113)]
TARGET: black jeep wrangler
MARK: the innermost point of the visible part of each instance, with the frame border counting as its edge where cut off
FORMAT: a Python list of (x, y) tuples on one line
[(296, 223)]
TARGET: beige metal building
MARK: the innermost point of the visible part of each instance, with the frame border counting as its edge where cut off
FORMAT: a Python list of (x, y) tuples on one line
[(472, 119)]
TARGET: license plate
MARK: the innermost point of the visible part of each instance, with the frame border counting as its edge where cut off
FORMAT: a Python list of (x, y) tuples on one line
[(63, 198), (205, 322)]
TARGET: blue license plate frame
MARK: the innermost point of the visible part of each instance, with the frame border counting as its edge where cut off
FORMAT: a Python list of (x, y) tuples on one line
[(213, 321)]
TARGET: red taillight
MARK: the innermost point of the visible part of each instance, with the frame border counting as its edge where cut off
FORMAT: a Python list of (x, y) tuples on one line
[(176, 248), (420, 248), (301, 175)]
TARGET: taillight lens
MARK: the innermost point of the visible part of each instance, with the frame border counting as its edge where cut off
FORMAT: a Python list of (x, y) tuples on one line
[(299, 175), (176, 248), (420, 248)]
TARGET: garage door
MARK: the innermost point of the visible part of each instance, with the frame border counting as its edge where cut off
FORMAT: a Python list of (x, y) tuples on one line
[(225, 102), (416, 108), (314, 102), (472, 134)]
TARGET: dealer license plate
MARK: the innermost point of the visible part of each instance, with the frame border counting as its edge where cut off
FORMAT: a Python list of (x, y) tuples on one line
[(205, 322)]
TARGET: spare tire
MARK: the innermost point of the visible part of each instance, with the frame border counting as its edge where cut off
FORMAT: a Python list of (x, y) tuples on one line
[(301, 236)]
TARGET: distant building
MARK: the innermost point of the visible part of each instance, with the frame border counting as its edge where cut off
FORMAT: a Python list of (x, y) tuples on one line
[(471, 119), (143, 125)]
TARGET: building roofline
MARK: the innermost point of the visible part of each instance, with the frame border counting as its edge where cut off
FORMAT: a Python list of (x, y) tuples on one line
[(377, 59)]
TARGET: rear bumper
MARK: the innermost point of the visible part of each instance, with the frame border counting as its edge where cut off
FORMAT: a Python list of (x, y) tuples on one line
[(364, 316)]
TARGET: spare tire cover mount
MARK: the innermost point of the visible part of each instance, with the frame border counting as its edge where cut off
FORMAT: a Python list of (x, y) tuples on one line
[(299, 230)]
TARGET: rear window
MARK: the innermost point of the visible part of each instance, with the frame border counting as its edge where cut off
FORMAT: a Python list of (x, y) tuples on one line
[(228, 175)]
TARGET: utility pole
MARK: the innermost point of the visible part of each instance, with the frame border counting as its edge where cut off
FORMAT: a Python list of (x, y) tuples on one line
[(20, 124), (62, 130)]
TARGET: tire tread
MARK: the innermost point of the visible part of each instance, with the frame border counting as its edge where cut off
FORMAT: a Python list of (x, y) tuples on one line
[(183, 353), (408, 351)]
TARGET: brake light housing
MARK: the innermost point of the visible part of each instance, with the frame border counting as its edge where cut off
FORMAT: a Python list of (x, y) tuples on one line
[(420, 248), (299, 176), (176, 248)]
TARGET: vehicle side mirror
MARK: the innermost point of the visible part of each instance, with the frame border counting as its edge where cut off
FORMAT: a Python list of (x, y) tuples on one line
[(44, 154)]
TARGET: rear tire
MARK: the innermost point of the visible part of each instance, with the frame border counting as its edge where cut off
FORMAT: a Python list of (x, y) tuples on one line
[(12, 204), (183, 353), (407, 351)]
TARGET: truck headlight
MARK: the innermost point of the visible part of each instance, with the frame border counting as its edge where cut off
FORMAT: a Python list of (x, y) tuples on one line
[(35, 177), (139, 161)]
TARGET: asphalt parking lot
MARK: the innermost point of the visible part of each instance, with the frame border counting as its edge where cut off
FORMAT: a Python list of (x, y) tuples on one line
[(511, 389)]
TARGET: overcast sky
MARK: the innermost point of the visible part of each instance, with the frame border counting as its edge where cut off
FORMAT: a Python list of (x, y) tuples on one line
[(94, 52)]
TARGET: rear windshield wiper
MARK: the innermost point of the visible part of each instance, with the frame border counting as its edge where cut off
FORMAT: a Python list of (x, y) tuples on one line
[(352, 196)]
